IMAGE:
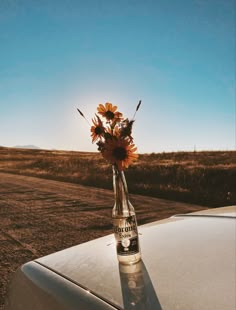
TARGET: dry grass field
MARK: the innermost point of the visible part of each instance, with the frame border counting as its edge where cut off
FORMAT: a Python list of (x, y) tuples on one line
[(50, 200), (205, 178)]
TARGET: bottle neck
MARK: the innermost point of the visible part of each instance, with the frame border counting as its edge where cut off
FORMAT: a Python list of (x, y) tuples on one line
[(122, 203)]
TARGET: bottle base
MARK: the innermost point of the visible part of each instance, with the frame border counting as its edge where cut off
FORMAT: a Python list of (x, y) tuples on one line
[(129, 259)]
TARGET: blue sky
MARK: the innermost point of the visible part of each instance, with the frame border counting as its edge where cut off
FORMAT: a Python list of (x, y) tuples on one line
[(177, 56)]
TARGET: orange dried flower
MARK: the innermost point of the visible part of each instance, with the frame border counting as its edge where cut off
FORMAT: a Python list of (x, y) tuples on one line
[(120, 152), (97, 129), (109, 112)]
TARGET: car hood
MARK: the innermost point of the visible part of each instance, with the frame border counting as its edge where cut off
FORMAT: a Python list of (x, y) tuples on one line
[(188, 262)]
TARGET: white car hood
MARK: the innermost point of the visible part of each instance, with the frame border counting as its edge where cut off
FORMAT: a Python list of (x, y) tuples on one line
[(188, 262)]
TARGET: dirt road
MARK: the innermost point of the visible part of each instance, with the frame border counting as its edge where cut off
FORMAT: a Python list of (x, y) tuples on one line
[(38, 217)]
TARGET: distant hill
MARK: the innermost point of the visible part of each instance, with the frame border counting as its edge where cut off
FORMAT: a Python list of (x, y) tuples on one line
[(27, 147)]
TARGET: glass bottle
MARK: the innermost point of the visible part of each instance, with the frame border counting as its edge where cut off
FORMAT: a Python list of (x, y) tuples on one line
[(124, 222)]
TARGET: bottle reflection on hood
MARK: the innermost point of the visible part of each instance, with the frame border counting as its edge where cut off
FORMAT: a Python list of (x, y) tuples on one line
[(137, 289)]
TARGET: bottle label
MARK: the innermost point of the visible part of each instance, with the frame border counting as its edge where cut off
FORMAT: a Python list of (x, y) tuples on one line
[(126, 234)]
